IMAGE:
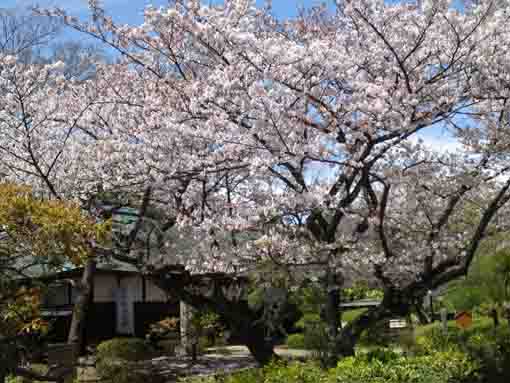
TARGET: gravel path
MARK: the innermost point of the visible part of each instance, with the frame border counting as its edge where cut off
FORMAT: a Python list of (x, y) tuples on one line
[(217, 360), (173, 368)]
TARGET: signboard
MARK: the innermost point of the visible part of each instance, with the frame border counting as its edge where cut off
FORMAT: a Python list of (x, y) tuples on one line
[(398, 323), (124, 310), (56, 313)]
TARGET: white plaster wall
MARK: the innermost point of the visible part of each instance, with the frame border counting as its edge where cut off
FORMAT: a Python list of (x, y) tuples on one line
[(133, 284), (104, 288), (154, 293)]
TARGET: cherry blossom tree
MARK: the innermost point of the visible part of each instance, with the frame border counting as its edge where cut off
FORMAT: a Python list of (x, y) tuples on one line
[(293, 143)]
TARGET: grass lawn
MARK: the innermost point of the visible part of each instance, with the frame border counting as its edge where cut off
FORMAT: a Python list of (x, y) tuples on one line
[(350, 315)]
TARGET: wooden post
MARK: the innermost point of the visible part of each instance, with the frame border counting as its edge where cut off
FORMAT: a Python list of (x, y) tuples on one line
[(187, 330), (444, 320)]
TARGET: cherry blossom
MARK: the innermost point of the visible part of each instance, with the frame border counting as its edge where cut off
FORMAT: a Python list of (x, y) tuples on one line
[(290, 142)]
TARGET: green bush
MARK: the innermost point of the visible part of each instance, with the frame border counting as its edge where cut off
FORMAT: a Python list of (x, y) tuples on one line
[(361, 290), (317, 340), (116, 371), (116, 360), (437, 368), (278, 372), (382, 354), (350, 315), (314, 336), (8, 358), (307, 318), (492, 350), (296, 341), (130, 349), (381, 366), (208, 328), (38, 368), (254, 375), (488, 346), (376, 335)]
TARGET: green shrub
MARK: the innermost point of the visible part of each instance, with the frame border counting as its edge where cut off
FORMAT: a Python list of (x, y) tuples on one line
[(492, 350), (314, 336), (208, 328), (307, 318), (376, 335), (130, 349), (382, 366), (8, 358), (361, 290), (116, 371), (384, 355), (116, 361), (296, 372), (488, 346), (253, 375), (296, 341), (438, 368), (317, 340), (350, 315), (38, 368)]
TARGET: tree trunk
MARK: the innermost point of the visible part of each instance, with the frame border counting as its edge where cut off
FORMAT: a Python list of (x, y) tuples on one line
[(350, 334), (332, 320), (249, 329), (261, 349), (77, 330), (206, 292), (422, 316), (495, 316)]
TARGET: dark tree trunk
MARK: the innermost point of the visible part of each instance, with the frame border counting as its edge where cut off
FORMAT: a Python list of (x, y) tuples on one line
[(332, 314), (495, 317), (207, 292), (250, 330), (261, 349), (351, 333), (422, 316), (81, 307)]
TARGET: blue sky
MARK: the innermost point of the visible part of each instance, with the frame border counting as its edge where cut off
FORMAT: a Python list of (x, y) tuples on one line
[(131, 11)]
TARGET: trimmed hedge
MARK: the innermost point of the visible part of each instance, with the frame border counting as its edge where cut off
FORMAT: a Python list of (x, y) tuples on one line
[(379, 366), (130, 349), (117, 361)]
